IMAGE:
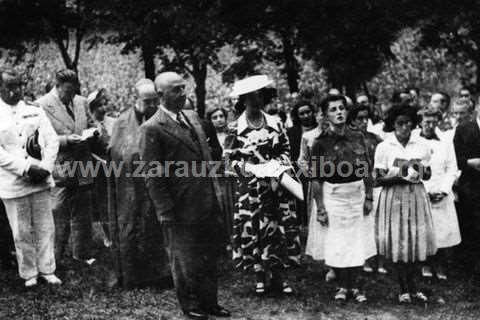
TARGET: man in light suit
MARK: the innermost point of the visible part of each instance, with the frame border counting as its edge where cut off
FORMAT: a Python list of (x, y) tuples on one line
[(186, 205), (72, 197)]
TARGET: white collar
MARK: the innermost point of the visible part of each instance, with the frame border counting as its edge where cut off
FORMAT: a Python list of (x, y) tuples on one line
[(171, 114), (392, 139), (271, 122)]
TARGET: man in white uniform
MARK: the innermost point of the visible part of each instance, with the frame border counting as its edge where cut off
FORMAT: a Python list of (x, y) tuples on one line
[(26, 178)]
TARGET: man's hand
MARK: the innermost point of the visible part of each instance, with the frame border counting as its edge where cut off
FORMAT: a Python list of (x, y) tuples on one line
[(474, 163), (74, 139), (367, 206), (37, 174)]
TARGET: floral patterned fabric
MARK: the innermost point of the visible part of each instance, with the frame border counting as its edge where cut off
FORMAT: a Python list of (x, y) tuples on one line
[(265, 230)]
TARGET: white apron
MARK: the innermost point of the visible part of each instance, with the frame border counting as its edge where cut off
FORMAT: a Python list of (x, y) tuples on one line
[(445, 222), (345, 242)]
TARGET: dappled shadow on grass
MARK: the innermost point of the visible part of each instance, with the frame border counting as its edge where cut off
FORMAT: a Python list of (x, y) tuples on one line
[(85, 295)]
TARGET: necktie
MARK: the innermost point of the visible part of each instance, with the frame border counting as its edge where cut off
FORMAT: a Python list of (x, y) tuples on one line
[(69, 111), (185, 125), (181, 120)]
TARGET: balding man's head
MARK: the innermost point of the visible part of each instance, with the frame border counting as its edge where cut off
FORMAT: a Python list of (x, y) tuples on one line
[(147, 98), (171, 89), (145, 89)]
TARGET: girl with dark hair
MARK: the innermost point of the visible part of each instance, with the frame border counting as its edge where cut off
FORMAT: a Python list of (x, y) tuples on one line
[(404, 225), (342, 189)]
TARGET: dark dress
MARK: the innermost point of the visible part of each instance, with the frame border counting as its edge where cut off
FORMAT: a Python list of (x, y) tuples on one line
[(265, 223)]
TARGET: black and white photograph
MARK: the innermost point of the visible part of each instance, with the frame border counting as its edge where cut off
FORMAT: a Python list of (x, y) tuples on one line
[(239, 159)]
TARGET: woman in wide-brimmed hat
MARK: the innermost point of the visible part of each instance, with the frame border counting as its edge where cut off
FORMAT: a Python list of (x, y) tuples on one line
[(265, 235)]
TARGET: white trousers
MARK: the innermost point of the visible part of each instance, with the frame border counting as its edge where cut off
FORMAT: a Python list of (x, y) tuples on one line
[(31, 220)]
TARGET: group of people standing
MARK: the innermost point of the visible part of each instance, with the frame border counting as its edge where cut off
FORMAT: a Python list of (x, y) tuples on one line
[(373, 186)]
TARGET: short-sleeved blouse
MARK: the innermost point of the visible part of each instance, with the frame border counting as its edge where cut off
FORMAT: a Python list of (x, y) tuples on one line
[(390, 152), (340, 158)]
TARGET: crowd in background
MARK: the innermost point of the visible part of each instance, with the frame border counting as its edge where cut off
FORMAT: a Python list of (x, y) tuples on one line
[(416, 205)]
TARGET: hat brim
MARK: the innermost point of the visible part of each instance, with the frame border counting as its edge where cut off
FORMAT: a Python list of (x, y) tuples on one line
[(249, 88)]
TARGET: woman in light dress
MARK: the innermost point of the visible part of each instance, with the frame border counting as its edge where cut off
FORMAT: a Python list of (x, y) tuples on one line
[(439, 188), (404, 225)]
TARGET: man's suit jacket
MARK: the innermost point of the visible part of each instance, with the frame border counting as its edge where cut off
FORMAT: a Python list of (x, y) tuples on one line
[(65, 125), (467, 146), (171, 150)]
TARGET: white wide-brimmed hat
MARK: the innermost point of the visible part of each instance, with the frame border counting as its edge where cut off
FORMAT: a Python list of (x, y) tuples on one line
[(250, 84)]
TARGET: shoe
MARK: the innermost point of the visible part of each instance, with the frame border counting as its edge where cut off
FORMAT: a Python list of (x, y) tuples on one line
[(441, 276), (52, 279), (197, 314), (427, 272), (382, 270), (359, 296), (404, 298), (420, 297), (367, 269), (286, 289), (31, 282), (330, 276), (341, 294), (260, 288), (89, 261), (219, 311)]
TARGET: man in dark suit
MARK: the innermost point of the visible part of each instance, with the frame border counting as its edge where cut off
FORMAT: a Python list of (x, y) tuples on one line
[(175, 149), (467, 149)]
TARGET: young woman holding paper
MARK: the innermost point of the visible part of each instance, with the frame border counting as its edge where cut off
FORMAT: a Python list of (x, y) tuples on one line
[(265, 230), (404, 226)]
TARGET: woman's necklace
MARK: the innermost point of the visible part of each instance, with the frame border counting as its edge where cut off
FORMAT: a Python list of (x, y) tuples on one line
[(255, 127)]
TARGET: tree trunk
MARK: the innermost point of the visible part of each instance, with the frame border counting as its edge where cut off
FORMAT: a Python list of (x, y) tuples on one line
[(291, 63), (200, 77), (148, 56)]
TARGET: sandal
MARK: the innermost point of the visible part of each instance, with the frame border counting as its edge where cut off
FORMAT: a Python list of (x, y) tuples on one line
[(421, 297), (260, 288), (404, 298), (341, 294), (358, 296)]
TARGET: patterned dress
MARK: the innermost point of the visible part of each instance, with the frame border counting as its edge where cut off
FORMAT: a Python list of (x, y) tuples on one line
[(265, 230)]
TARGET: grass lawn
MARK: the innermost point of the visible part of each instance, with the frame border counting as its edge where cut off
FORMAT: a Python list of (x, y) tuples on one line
[(84, 296)]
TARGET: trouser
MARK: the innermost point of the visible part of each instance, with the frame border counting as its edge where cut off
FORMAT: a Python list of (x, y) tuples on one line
[(469, 220), (193, 252), (72, 208), (6, 239), (31, 221)]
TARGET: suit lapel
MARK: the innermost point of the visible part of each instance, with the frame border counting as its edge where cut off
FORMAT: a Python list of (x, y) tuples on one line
[(176, 131), (57, 110)]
